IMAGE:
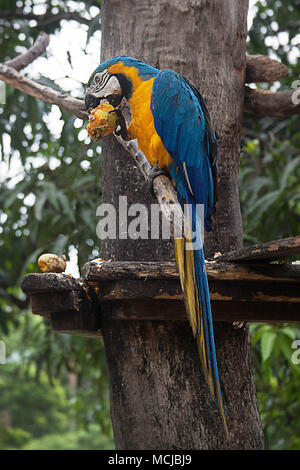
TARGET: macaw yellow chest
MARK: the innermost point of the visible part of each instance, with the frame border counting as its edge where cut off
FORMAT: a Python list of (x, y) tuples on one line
[(142, 126)]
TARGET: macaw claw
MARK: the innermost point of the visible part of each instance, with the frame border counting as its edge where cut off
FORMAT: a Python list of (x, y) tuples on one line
[(154, 172)]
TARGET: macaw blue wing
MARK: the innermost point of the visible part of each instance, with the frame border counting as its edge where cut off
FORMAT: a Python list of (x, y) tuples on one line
[(182, 121)]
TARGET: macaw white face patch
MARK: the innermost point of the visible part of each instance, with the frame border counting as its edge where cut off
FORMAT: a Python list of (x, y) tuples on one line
[(104, 84)]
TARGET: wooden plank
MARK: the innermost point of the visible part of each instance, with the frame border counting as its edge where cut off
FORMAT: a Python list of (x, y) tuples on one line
[(71, 304), (95, 272), (112, 270), (164, 310), (123, 289), (45, 282), (151, 291), (46, 303), (79, 323), (276, 249)]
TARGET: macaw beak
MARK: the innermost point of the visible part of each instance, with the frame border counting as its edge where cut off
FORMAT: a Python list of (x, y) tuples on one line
[(91, 101)]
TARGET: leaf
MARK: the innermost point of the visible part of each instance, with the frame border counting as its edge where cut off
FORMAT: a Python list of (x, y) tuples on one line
[(66, 206), (59, 245), (49, 83), (3, 321), (263, 204), (38, 206), (51, 192), (288, 171), (267, 344), (32, 258), (9, 200), (285, 348), (290, 332), (257, 334)]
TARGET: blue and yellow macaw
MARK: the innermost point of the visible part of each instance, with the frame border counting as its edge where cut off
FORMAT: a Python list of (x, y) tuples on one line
[(173, 128)]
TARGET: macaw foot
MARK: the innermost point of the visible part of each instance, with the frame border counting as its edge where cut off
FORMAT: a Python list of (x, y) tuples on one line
[(121, 129), (154, 172)]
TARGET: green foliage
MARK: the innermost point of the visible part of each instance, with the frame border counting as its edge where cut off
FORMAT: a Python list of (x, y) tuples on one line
[(48, 201), (269, 191), (277, 378), (81, 440), (270, 181), (13, 438), (53, 384), (38, 404)]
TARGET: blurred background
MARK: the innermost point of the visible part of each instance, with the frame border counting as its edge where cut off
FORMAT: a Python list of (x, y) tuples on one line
[(54, 387)]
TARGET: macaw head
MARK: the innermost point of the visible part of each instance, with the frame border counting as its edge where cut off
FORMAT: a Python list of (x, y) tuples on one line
[(115, 79)]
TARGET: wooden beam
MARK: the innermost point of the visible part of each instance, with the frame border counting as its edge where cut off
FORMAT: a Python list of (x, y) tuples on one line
[(276, 249), (70, 304), (222, 311), (126, 289), (151, 291), (94, 272)]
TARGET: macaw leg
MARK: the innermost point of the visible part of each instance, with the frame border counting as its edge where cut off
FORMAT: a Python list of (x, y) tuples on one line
[(121, 124), (154, 172)]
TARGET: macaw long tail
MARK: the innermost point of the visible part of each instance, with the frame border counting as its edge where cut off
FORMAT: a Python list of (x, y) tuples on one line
[(194, 283)]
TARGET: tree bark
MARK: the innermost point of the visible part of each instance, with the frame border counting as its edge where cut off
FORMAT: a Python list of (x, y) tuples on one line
[(159, 398)]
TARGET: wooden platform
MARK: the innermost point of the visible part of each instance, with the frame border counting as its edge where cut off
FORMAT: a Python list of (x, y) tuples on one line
[(151, 291)]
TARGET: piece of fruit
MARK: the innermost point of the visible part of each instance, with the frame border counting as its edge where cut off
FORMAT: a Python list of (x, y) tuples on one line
[(50, 263), (101, 121)]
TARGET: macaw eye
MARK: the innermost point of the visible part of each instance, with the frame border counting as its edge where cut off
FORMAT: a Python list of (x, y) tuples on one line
[(97, 78)]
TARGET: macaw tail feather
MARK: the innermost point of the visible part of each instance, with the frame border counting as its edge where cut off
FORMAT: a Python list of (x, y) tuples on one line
[(193, 278)]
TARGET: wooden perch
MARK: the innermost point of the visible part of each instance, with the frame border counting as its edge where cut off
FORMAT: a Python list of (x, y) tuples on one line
[(44, 93), (95, 271), (70, 304), (269, 103), (238, 292), (277, 249), (162, 187), (152, 291), (260, 68)]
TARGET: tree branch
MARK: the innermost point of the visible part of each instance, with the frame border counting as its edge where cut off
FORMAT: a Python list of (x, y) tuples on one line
[(260, 68), (44, 93), (9, 74), (273, 104), (36, 50), (44, 19), (259, 102), (163, 188)]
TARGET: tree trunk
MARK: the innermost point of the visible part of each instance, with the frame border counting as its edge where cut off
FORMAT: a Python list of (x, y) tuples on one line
[(159, 398)]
